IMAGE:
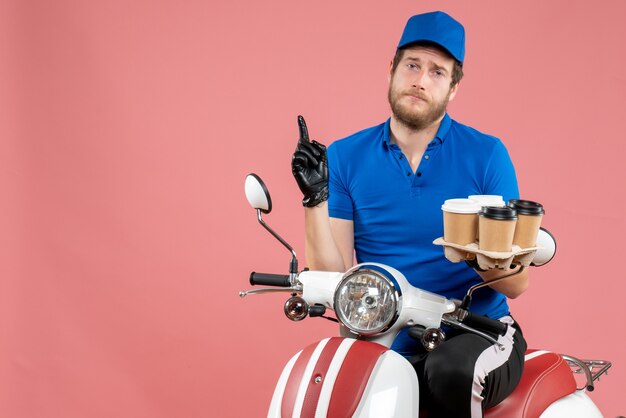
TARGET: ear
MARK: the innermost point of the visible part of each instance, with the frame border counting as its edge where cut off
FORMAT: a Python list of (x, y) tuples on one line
[(390, 69), (453, 91)]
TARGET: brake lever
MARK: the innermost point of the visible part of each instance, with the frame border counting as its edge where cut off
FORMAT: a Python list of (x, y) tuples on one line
[(292, 289)]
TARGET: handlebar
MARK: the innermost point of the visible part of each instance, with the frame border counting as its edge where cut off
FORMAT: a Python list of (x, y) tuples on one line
[(485, 323), (268, 279)]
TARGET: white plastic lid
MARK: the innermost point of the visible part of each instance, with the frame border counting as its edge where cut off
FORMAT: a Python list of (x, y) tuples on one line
[(488, 199), (461, 206)]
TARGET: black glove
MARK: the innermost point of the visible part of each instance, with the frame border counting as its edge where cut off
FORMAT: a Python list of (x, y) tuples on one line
[(310, 168), (473, 263)]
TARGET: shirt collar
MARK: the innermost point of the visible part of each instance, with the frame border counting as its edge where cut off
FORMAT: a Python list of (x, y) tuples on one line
[(444, 127), (387, 134)]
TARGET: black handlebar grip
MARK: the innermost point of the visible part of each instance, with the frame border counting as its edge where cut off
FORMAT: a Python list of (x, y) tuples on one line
[(268, 279), (484, 323)]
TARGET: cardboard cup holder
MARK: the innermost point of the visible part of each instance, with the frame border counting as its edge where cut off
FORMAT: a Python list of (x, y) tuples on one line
[(487, 259)]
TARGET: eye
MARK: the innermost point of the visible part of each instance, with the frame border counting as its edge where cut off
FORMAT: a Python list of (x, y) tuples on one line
[(412, 66), (439, 73)]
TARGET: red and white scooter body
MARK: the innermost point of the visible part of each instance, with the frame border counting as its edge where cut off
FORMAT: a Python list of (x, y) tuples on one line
[(577, 404), (547, 390), (344, 377)]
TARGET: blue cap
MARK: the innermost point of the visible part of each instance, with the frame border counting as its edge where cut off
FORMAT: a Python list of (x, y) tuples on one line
[(439, 28)]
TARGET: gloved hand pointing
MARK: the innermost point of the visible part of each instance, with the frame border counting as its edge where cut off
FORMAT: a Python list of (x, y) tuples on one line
[(310, 168)]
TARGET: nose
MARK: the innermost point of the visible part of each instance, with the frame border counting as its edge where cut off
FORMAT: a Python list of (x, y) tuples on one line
[(419, 80)]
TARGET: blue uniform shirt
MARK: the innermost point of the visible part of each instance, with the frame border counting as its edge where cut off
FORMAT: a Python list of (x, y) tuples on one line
[(397, 212)]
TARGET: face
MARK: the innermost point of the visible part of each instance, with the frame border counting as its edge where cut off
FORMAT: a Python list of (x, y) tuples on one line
[(419, 88)]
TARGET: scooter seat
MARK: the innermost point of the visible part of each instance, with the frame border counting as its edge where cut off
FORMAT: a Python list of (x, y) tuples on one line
[(546, 378)]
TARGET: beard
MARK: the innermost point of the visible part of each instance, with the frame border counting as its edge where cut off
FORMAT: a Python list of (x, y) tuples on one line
[(413, 118)]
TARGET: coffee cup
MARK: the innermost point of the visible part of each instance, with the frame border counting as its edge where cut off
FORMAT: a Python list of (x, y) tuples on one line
[(496, 227), (460, 221), (488, 199), (529, 215)]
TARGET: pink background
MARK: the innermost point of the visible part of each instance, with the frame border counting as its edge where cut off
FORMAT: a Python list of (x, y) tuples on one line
[(127, 129)]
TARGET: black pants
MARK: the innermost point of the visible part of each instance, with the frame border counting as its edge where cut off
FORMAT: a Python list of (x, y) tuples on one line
[(468, 374)]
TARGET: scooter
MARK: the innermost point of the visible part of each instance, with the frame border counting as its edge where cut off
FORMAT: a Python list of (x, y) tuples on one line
[(355, 374)]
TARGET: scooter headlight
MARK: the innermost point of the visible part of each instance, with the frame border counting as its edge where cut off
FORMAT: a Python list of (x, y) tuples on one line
[(367, 301)]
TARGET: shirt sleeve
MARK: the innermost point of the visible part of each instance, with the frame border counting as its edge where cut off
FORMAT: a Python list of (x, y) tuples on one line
[(339, 199), (500, 178)]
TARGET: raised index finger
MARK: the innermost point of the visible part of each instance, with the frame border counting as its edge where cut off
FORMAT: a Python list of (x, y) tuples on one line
[(304, 132)]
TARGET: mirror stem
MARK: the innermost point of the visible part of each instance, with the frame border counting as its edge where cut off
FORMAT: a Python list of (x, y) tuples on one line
[(468, 297), (293, 266)]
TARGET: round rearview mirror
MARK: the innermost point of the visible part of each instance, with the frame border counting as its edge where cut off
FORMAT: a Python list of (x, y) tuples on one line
[(546, 240), (257, 194)]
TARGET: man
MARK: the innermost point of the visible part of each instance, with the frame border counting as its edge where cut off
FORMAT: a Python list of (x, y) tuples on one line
[(378, 193)]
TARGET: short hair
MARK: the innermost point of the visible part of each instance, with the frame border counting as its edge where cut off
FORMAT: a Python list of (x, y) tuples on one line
[(457, 68)]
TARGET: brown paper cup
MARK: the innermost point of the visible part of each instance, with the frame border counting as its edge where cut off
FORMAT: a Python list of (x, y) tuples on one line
[(496, 227), (460, 221), (460, 228), (495, 234), (529, 215), (526, 230), (487, 200)]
